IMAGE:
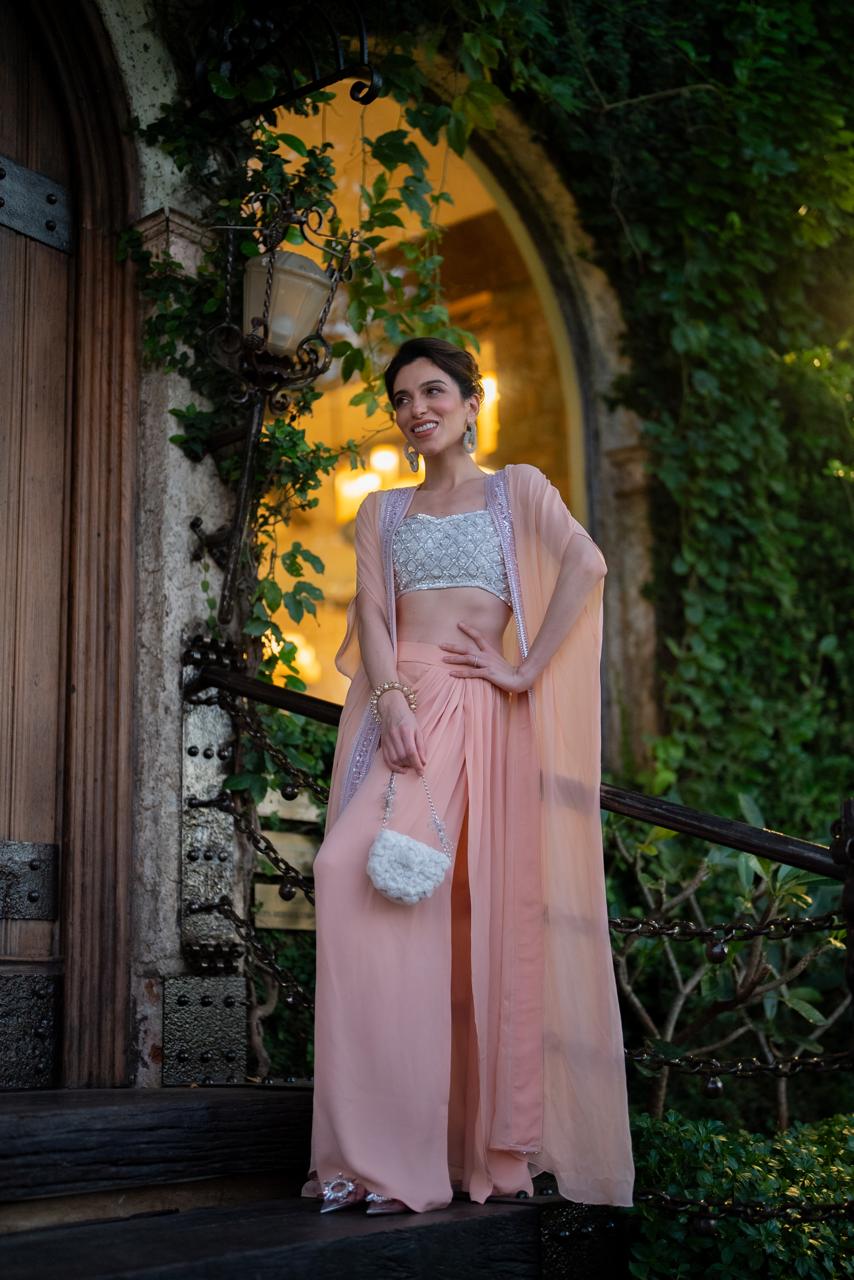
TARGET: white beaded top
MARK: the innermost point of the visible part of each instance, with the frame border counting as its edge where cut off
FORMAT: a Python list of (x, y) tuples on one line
[(460, 550)]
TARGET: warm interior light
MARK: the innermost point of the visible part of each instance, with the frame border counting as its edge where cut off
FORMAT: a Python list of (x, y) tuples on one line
[(487, 422), (300, 289), (305, 657), (385, 460), (350, 489)]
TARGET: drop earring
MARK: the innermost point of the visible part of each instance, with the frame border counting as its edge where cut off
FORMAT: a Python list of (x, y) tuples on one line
[(412, 456), (470, 437)]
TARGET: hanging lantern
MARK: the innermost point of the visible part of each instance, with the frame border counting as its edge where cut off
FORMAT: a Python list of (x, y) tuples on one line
[(299, 291), (279, 347)]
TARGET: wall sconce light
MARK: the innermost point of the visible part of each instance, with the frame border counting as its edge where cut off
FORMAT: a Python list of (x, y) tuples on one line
[(298, 294), (280, 347)]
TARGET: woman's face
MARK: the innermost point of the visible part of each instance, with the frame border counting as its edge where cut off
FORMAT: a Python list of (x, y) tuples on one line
[(430, 409)]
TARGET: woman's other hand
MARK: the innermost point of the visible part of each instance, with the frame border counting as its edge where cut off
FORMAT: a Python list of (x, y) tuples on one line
[(479, 659), (400, 737)]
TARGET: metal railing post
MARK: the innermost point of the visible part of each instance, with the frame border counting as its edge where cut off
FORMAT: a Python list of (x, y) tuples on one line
[(842, 851)]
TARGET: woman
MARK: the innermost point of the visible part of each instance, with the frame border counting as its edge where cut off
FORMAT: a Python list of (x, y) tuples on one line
[(475, 1038)]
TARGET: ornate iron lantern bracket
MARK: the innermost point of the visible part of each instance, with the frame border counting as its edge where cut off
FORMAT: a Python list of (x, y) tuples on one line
[(264, 377), (309, 46)]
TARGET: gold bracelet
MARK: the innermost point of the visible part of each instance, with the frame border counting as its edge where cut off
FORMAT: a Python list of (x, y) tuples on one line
[(384, 688)]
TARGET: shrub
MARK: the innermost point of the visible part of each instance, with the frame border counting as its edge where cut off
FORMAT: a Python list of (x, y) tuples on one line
[(702, 1159)]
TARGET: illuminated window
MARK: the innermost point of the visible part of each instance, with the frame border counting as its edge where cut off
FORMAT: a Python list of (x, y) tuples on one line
[(489, 290)]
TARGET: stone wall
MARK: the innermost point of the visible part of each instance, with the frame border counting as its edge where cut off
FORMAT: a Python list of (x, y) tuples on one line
[(489, 289), (600, 457), (608, 477), (170, 605)]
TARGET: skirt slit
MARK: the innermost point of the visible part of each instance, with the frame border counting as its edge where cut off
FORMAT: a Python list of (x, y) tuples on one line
[(409, 999)]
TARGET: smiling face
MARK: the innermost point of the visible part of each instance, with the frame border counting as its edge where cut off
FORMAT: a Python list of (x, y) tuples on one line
[(430, 408)]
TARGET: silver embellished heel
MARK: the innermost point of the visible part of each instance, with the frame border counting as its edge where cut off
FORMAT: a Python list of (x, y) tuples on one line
[(384, 1204), (341, 1193)]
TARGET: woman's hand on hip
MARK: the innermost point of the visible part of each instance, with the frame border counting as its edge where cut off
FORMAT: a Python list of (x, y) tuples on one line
[(479, 659), (401, 741)]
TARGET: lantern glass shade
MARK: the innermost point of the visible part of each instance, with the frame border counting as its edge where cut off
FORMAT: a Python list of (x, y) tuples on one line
[(300, 289)]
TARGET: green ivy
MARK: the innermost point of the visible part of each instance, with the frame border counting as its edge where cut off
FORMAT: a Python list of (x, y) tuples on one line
[(708, 148), (720, 196), (383, 308), (700, 1159)]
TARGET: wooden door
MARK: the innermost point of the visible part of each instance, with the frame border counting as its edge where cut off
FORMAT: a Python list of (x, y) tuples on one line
[(36, 277)]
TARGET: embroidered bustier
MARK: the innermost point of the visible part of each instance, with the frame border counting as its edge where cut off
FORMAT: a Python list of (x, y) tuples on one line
[(461, 550)]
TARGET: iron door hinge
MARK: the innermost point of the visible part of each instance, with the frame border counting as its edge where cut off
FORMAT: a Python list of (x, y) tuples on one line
[(35, 205)]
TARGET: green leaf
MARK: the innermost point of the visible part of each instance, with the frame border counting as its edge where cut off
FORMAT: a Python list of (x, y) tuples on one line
[(805, 1010), (396, 148), (259, 88), (457, 130), (811, 994), (291, 140), (745, 867), (315, 561), (666, 1048), (385, 218), (254, 783), (221, 87), (353, 360), (272, 593), (750, 809)]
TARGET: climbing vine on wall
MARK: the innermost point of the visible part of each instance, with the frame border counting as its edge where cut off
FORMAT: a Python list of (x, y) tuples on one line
[(709, 148), (721, 198), (710, 152)]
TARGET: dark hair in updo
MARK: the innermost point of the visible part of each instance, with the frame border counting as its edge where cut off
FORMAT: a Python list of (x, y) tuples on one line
[(459, 365)]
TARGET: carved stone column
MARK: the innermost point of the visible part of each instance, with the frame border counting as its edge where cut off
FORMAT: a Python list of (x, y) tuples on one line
[(171, 608)]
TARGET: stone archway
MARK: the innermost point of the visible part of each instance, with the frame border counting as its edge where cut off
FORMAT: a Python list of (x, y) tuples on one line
[(609, 480)]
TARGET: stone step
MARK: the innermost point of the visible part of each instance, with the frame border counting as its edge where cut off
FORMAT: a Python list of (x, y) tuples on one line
[(71, 1142), (290, 1238), (76, 1168)]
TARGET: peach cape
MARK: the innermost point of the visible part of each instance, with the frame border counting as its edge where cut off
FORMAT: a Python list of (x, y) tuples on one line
[(583, 1125)]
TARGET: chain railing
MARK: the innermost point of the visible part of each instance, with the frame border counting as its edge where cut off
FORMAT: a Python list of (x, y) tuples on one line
[(233, 692), (716, 936), (716, 1067), (251, 726), (293, 992), (292, 880), (706, 1212)]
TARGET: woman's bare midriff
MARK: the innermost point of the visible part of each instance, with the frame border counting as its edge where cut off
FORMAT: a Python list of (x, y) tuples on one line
[(431, 616)]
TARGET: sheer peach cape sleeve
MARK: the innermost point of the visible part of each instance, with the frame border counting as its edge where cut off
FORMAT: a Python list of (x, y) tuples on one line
[(586, 1140), (348, 660)]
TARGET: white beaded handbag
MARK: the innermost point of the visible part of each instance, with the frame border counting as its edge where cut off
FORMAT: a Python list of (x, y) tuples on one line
[(401, 868)]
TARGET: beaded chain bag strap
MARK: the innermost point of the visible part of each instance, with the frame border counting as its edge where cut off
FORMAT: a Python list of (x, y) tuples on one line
[(404, 869)]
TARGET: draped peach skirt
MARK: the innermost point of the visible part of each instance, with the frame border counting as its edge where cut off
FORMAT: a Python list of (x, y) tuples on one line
[(428, 1024)]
